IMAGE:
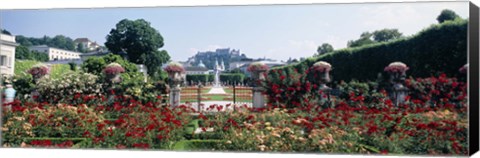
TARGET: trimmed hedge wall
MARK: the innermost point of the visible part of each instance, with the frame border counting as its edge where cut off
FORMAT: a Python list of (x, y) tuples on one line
[(442, 48), (439, 48), (232, 78), (199, 78)]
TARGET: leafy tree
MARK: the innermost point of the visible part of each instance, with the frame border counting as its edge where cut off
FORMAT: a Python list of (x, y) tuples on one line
[(324, 48), (365, 39), (6, 32), (386, 35), (445, 15), (23, 53), (155, 60), (95, 65), (59, 41), (136, 37), (62, 42), (80, 48)]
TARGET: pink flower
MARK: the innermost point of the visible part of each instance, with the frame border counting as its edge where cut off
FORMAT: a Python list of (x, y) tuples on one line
[(174, 67), (113, 68), (396, 67), (257, 66)]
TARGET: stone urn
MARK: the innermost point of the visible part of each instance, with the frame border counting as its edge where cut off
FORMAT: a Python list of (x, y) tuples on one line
[(397, 72), (258, 71), (113, 78), (175, 79), (112, 72), (39, 71), (322, 72)]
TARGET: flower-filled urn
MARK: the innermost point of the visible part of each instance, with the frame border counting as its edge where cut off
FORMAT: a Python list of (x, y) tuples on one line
[(38, 71), (258, 71), (112, 72), (321, 70), (174, 71), (397, 71)]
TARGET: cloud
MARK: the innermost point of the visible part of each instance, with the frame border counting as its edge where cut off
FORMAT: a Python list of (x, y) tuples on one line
[(409, 17)]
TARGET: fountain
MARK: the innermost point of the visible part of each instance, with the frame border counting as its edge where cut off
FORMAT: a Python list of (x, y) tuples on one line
[(217, 87)]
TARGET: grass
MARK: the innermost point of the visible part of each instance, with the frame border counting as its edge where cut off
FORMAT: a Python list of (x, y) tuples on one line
[(196, 145)]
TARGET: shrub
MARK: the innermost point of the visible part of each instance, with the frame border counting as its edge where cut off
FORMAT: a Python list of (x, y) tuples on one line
[(46, 121), (232, 78), (203, 78), (54, 90), (440, 48)]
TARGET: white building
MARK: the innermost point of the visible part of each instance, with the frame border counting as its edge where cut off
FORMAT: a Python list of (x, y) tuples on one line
[(87, 44), (196, 70), (7, 54), (56, 53)]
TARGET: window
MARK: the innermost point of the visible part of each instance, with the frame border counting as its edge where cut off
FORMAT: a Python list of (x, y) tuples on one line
[(3, 60)]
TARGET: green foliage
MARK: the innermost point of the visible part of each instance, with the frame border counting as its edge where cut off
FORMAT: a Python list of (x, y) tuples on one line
[(385, 35), (203, 78), (365, 39), (155, 60), (324, 48), (232, 78), (440, 48), (73, 66), (447, 14), (59, 70), (23, 53), (6, 32), (69, 84), (96, 65), (136, 37), (59, 41), (22, 66), (80, 48)]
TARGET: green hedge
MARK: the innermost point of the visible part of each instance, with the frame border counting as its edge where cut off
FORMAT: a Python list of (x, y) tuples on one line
[(57, 70), (439, 48), (199, 78), (232, 78)]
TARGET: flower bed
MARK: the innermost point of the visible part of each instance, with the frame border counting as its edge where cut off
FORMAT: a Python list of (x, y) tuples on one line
[(362, 122)]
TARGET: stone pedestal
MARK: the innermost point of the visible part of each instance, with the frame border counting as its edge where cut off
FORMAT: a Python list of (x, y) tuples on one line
[(258, 99), (399, 93), (175, 96)]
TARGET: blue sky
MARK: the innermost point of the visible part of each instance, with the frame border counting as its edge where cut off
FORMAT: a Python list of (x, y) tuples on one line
[(274, 31)]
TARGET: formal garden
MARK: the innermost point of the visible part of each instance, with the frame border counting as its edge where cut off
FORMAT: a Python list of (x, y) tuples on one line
[(403, 97)]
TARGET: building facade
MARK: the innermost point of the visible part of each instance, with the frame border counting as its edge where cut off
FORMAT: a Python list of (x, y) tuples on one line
[(7, 54), (56, 53), (87, 44)]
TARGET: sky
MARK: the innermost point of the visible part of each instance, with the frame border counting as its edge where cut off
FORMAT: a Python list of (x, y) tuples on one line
[(273, 31)]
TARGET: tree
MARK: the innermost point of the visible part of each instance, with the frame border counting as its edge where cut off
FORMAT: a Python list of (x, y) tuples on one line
[(324, 48), (6, 32), (23, 53), (80, 48), (385, 35), (365, 39), (137, 38), (95, 65), (155, 60), (60, 41), (445, 15)]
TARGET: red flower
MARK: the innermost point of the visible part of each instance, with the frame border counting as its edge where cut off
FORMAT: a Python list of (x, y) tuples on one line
[(384, 152)]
